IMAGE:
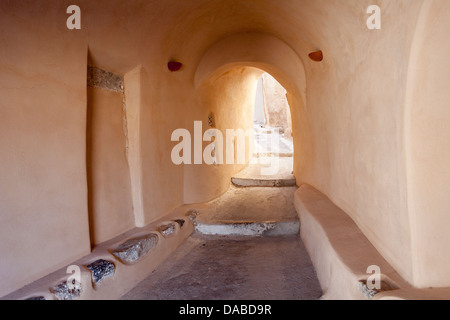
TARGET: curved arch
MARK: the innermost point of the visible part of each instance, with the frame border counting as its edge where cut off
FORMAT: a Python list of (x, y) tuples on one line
[(259, 50), (267, 53), (426, 153)]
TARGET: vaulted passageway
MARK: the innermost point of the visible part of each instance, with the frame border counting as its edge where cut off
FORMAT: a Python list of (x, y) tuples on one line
[(368, 125)]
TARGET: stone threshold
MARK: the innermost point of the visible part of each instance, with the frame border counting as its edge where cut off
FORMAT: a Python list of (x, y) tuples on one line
[(249, 182), (249, 229)]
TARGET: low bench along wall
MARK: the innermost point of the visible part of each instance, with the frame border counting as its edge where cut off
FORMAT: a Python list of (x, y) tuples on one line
[(339, 251), (116, 266)]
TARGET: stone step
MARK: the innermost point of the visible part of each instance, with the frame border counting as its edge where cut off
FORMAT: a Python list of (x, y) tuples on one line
[(250, 212), (273, 155), (248, 182), (279, 228), (266, 172)]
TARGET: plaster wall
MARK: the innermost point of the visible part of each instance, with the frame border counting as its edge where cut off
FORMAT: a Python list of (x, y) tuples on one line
[(43, 189), (109, 187), (162, 181), (133, 107), (355, 123), (427, 115), (132, 38), (229, 99)]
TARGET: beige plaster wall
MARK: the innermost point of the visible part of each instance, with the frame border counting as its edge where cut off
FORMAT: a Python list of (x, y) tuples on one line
[(230, 99), (43, 190), (162, 181), (355, 100), (427, 152), (133, 107)]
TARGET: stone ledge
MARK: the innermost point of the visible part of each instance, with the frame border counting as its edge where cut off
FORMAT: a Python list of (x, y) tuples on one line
[(341, 254)]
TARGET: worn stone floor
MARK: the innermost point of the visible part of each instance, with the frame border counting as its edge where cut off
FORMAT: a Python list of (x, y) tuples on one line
[(233, 268)]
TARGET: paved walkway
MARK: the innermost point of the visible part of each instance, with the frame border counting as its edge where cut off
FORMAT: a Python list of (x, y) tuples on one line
[(232, 268)]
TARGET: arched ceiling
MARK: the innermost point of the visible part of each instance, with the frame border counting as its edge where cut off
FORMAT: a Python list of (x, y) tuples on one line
[(129, 32), (256, 50)]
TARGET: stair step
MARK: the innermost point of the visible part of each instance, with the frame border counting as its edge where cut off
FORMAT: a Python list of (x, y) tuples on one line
[(250, 212), (279, 228), (266, 172), (273, 155), (248, 182)]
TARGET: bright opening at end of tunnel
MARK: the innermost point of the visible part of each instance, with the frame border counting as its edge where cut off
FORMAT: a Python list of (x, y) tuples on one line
[(273, 125), (268, 139)]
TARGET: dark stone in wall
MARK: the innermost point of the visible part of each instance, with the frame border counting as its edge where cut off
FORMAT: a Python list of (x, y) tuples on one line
[(38, 298), (192, 214), (103, 79), (63, 291), (167, 229), (132, 250), (101, 269), (370, 293)]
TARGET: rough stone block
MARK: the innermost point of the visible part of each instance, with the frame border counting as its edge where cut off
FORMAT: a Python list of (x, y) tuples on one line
[(65, 291), (167, 229), (101, 269), (134, 249), (103, 79), (36, 298), (370, 293), (192, 215)]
